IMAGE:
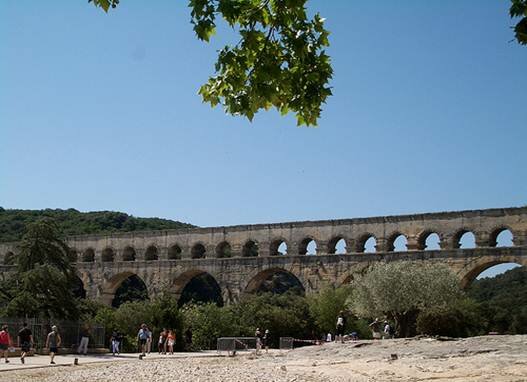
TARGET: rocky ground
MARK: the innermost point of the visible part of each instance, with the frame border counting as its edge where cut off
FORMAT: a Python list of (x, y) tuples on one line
[(490, 358)]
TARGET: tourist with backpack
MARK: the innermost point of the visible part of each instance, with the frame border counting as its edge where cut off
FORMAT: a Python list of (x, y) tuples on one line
[(142, 337)]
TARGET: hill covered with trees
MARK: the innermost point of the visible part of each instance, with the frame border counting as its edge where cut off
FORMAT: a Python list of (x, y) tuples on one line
[(72, 222), (502, 301)]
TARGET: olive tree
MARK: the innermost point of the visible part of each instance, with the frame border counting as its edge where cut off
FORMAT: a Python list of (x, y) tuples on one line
[(400, 290)]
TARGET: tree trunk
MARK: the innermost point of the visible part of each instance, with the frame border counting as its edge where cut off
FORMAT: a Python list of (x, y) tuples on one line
[(405, 323)]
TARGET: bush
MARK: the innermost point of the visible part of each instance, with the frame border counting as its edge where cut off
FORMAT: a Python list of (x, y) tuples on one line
[(161, 312), (208, 322), (284, 315), (460, 320)]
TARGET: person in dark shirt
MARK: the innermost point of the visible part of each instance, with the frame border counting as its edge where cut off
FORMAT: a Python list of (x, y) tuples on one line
[(25, 341), (84, 340)]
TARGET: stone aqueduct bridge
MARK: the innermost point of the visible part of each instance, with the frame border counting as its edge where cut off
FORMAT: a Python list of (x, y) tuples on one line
[(241, 257)]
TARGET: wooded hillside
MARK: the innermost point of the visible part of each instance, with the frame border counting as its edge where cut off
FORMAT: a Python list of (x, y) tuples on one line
[(73, 222)]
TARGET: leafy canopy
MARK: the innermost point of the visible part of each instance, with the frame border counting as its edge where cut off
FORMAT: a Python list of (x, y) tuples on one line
[(519, 9), (42, 283), (400, 290), (278, 62)]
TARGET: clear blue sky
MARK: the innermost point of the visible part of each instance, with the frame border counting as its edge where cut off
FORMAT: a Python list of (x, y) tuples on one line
[(100, 112)]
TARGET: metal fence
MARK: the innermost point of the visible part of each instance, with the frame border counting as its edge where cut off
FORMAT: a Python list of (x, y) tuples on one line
[(69, 331), (287, 343), (233, 344)]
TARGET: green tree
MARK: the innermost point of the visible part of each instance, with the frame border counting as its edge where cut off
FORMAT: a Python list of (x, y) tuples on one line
[(400, 290), (42, 283), (278, 62), (208, 322), (518, 9), (326, 305), (285, 315), (502, 300), (462, 319)]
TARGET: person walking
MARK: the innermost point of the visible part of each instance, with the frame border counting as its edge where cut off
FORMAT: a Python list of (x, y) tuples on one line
[(171, 341), (376, 329), (53, 342), (266, 339), (341, 323), (25, 341), (115, 342), (84, 340), (148, 340), (258, 335), (387, 331), (142, 337), (162, 342), (5, 342)]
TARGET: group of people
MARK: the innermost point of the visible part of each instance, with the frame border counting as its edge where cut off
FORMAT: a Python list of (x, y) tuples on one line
[(25, 342), (166, 341), (262, 340), (380, 330)]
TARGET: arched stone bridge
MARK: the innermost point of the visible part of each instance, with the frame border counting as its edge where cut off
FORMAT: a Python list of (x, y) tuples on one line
[(240, 257)]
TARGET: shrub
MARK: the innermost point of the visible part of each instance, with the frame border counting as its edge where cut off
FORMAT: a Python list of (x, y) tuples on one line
[(460, 320)]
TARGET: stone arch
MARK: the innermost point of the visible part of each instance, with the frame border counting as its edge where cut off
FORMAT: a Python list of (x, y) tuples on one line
[(111, 286), (334, 243), (363, 240), (395, 239), (9, 258), (274, 248), (223, 250), (472, 270), (184, 281), (107, 255), (174, 252), (499, 231), (88, 256), (250, 248), (305, 243), (198, 251), (424, 239), (151, 253), (129, 254), (462, 233), (257, 280)]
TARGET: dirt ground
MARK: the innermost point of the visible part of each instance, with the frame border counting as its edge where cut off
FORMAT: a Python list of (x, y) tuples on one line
[(489, 358)]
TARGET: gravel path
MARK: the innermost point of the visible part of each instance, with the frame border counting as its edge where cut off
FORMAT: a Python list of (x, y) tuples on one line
[(490, 358)]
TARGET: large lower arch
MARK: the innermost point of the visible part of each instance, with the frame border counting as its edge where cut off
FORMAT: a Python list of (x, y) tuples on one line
[(275, 280), (124, 287), (197, 286), (472, 270)]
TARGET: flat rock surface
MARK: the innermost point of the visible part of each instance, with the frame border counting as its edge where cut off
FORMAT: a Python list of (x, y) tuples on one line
[(489, 358)]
